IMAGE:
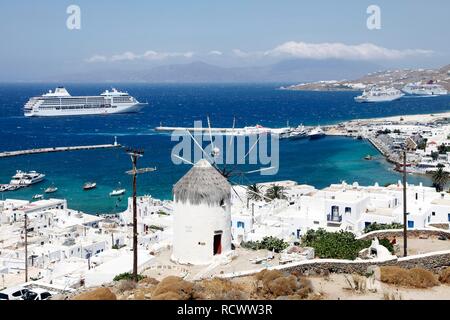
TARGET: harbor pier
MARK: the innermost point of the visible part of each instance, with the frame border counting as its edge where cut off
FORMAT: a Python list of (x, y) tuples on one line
[(7, 154)]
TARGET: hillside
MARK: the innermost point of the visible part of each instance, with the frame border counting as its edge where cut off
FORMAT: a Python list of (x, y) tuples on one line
[(396, 78)]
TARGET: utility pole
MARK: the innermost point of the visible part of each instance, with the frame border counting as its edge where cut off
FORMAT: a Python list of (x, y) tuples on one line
[(135, 154), (405, 214), (26, 248)]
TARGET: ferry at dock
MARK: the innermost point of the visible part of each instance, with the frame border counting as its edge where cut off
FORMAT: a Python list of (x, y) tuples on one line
[(379, 94), (425, 89), (61, 103)]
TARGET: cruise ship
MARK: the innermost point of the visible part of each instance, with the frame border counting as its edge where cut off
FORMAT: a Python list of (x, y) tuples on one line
[(380, 94), (26, 178), (428, 89), (61, 103)]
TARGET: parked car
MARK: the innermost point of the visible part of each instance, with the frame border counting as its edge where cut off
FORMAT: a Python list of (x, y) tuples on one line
[(15, 293), (37, 294)]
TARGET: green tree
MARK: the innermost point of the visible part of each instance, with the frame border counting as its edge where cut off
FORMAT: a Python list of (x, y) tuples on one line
[(440, 178), (442, 149), (434, 155), (254, 192), (276, 192)]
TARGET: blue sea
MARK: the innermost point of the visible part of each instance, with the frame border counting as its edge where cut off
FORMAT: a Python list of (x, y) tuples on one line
[(319, 162)]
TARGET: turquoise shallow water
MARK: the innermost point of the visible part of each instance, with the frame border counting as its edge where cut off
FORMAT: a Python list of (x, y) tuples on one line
[(320, 162)]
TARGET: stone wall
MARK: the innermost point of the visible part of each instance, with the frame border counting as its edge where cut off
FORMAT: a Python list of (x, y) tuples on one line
[(431, 261), (398, 233)]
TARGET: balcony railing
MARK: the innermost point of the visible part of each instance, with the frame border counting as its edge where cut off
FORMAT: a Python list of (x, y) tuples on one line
[(334, 218)]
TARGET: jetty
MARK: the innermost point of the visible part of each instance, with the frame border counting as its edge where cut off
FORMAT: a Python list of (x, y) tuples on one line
[(258, 129), (7, 154)]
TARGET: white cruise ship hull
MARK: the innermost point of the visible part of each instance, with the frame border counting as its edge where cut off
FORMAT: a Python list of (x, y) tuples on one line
[(421, 92), (378, 99), (131, 108)]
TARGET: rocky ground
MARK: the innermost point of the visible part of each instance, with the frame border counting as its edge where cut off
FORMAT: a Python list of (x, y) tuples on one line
[(393, 284)]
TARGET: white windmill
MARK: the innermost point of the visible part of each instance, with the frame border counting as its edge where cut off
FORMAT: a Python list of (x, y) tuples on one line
[(202, 209)]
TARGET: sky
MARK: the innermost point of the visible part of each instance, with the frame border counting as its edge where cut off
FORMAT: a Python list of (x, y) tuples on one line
[(37, 43)]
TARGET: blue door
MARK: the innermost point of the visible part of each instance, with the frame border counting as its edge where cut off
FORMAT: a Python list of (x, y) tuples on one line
[(410, 224)]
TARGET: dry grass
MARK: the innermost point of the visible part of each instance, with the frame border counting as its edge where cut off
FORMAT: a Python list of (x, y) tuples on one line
[(416, 277), (219, 289), (276, 284), (125, 285), (356, 283), (392, 296), (148, 281), (176, 285), (96, 294), (444, 276)]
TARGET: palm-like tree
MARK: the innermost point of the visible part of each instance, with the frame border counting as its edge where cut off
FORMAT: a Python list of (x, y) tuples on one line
[(440, 178), (276, 192), (254, 192)]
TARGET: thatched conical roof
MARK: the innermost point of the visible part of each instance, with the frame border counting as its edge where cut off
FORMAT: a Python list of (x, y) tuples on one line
[(202, 184)]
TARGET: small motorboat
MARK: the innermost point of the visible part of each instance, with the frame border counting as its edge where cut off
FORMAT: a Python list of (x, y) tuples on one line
[(368, 157), (38, 197), (51, 189), (89, 185), (117, 192)]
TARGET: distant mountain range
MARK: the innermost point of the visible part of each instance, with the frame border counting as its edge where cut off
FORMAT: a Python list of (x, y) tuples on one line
[(290, 71)]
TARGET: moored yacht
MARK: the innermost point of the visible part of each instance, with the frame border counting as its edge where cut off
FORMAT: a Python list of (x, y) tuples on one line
[(316, 133), (26, 178), (61, 103), (117, 192), (89, 185), (51, 189)]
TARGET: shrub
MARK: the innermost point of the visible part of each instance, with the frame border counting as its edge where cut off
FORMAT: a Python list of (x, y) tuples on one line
[(334, 245), (269, 243), (127, 276), (382, 226), (156, 227), (444, 277), (416, 278)]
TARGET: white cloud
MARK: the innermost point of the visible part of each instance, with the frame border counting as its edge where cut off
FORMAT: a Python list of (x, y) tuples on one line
[(242, 54), (97, 58), (364, 51), (147, 55), (215, 53), (326, 50)]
